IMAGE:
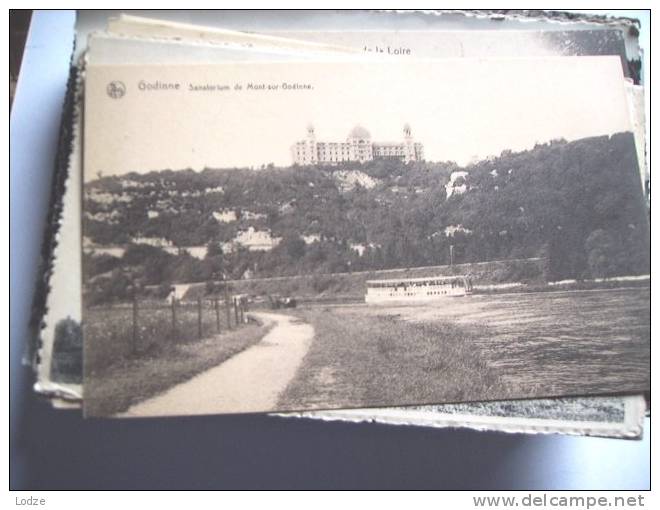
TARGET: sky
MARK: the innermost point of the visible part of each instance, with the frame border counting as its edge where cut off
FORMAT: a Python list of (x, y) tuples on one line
[(460, 109)]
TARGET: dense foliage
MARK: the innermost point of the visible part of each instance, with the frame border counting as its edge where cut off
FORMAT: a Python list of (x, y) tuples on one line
[(578, 204)]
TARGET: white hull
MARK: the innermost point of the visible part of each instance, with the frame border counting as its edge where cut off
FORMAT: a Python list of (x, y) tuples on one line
[(417, 290), (410, 299)]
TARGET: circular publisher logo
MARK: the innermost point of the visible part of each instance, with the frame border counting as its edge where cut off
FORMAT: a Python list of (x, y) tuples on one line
[(116, 89)]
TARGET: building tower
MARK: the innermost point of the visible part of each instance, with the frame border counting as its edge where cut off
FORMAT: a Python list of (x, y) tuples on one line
[(311, 151), (408, 144)]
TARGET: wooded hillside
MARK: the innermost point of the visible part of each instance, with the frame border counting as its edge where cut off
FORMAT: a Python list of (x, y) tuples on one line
[(579, 204)]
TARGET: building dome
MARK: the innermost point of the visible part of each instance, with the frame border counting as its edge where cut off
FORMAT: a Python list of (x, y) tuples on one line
[(359, 132)]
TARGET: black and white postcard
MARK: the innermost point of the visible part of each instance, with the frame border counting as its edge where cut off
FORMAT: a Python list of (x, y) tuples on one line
[(297, 236)]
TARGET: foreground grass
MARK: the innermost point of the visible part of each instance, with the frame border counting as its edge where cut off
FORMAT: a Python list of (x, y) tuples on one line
[(360, 360), (108, 330), (115, 388)]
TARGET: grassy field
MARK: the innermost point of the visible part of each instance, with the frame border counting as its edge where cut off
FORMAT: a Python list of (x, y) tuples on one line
[(476, 348), (558, 343), (108, 331), (358, 359), (486, 347), (115, 380)]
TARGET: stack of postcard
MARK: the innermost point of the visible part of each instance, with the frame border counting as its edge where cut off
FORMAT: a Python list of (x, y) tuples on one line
[(407, 223)]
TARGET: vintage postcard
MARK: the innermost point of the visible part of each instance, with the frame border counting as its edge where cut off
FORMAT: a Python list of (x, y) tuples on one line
[(106, 49), (155, 29), (115, 50), (457, 43), (262, 237)]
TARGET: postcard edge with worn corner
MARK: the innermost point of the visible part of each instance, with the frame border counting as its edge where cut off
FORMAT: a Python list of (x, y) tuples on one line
[(66, 197), (631, 427)]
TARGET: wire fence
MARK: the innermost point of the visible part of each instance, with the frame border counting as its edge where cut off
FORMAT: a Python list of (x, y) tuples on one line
[(137, 328)]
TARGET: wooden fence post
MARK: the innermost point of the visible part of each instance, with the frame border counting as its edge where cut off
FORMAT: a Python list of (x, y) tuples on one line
[(242, 314), (136, 330), (217, 312), (174, 332), (227, 307), (236, 311), (199, 317)]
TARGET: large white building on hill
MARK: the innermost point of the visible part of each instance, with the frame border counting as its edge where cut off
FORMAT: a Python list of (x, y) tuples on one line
[(358, 147)]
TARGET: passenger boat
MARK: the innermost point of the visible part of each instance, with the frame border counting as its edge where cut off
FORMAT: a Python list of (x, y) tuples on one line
[(417, 289)]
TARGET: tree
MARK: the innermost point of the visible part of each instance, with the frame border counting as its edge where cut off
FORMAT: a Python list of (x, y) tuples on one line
[(601, 256), (66, 361), (294, 246), (214, 261)]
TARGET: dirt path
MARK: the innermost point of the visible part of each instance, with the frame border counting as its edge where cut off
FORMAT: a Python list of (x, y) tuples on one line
[(251, 381)]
